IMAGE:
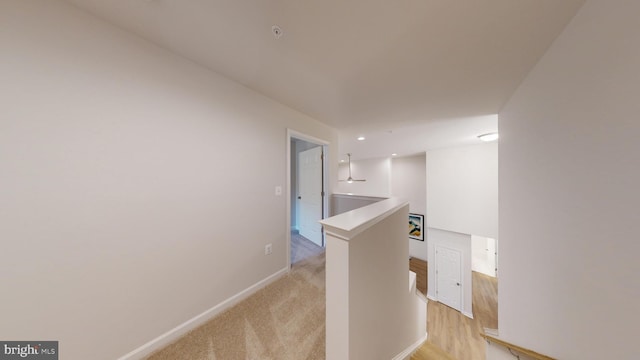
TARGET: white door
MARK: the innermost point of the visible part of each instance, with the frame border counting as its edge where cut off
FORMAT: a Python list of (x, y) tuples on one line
[(449, 277), (310, 194)]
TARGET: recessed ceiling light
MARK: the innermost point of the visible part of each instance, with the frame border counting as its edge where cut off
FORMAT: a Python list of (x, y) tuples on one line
[(394, 154), (488, 137), (341, 160), (360, 138)]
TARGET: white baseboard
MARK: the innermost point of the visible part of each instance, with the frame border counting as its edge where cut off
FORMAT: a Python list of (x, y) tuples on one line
[(411, 349), (467, 314), (492, 332), (175, 333), (432, 298)]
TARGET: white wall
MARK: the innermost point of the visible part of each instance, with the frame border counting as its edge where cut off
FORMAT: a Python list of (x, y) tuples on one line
[(462, 189), (569, 175), (377, 172), (456, 241), (129, 176), (408, 179)]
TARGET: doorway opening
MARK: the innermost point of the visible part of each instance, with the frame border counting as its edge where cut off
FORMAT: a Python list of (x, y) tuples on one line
[(308, 197), (484, 254)]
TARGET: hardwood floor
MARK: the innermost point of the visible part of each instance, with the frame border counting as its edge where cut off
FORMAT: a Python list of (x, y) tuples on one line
[(457, 335), (431, 351), (454, 333), (420, 268), (485, 300)]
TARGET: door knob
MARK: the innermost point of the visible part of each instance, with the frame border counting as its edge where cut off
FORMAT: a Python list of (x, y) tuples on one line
[(458, 284), (299, 197)]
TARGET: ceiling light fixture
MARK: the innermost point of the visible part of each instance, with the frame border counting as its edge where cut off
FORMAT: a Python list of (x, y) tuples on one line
[(488, 137), (360, 138), (394, 154)]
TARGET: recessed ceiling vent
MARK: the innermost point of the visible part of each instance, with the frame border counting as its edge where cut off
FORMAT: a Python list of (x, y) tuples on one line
[(277, 31)]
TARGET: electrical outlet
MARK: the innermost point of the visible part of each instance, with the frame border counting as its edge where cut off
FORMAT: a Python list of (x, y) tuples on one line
[(268, 249)]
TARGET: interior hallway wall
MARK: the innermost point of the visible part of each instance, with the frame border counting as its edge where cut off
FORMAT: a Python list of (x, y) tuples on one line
[(462, 189), (130, 179), (569, 175)]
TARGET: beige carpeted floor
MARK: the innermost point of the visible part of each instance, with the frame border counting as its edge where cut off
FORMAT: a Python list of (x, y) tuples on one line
[(283, 321)]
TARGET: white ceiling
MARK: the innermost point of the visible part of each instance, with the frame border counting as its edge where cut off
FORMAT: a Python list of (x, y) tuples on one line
[(416, 138), (361, 66)]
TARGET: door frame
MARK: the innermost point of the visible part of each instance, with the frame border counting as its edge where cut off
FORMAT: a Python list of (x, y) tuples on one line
[(292, 134), (307, 176), (461, 301)]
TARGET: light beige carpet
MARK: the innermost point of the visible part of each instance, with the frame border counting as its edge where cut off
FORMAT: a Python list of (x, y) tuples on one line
[(283, 321)]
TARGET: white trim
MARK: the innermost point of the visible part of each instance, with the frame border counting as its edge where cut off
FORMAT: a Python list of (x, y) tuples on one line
[(288, 197), (292, 134), (467, 314), (298, 135), (175, 333), (360, 196), (432, 298), (336, 235), (492, 332), (447, 230), (406, 353), (350, 224)]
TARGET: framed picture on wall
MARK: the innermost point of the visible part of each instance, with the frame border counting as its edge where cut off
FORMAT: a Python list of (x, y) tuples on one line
[(416, 226)]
